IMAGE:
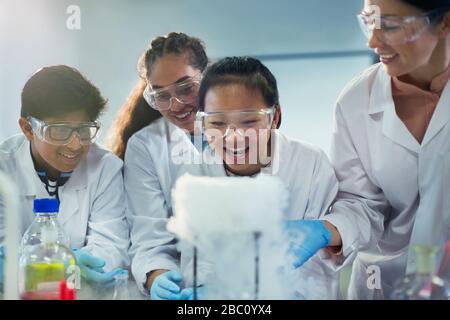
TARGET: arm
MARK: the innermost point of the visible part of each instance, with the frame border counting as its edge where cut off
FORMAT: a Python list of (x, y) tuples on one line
[(152, 246), (108, 230), (358, 213)]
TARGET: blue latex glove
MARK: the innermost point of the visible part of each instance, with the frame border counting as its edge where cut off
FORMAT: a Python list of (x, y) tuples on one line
[(306, 237), (166, 286), (188, 293), (2, 269), (92, 268)]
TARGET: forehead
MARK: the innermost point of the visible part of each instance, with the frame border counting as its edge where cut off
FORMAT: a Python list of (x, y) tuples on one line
[(233, 97), (77, 116), (390, 7), (169, 69)]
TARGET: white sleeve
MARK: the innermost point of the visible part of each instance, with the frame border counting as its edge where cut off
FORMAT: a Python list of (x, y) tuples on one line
[(152, 245), (323, 190), (322, 282), (360, 207), (108, 230)]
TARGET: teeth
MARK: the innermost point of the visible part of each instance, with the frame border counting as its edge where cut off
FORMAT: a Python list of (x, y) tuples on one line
[(69, 156), (182, 116), (388, 56), (236, 151)]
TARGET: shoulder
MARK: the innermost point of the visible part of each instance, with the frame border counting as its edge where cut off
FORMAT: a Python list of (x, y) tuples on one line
[(301, 149), (158, 128), (152, 135), (99, 158), (359, 87), (10, 147)]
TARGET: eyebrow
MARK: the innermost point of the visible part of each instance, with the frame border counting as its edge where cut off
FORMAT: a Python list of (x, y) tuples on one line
[(182, 79)]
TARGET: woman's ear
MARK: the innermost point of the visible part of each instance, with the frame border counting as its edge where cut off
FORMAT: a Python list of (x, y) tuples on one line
[(276, 118), (26, 128)]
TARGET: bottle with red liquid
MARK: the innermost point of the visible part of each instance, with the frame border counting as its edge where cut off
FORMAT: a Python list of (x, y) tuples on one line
[(43, 266), (441, 281)]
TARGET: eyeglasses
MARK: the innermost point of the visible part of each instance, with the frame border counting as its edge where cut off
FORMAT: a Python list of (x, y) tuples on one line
[(396, 30), (220, 124), (185, 92), (61, 134)]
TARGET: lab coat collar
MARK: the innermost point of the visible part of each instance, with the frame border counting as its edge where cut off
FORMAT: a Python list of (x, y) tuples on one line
[(27, 172), (381, 93), (440, 117), (27, 178), (381, 100), (28, 182)]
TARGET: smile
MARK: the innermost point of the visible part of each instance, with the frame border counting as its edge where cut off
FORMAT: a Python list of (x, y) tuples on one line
[(69, 156), (183, 115)]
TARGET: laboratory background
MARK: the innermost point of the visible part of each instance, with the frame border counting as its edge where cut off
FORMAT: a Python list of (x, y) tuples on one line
[(314, 48)]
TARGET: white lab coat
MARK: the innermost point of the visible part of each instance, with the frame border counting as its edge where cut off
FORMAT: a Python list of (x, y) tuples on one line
[(153, 162), (151, 168), (312, 185), (393, 192), (92, 201)]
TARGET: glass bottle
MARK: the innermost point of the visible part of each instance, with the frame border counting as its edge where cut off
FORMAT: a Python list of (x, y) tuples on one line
[(417, 286), (441, 281), (43, 266), (46, 213)]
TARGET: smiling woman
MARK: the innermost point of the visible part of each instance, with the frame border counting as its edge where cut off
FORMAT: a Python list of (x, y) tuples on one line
[(159, 115), (391, 129)]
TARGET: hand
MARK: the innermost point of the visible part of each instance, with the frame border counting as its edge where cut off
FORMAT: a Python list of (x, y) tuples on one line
[(306, 237), (188, 293), (92, 268), (166, 286)]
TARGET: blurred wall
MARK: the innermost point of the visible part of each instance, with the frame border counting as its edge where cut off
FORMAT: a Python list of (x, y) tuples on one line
[(114, 33)]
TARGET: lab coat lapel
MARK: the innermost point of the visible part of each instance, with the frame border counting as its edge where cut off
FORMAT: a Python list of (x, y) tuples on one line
[(26, 177), (440, 117), (182, 151), (69, 193), (381, 101)]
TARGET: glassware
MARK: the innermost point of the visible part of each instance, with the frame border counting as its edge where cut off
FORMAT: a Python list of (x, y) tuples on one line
[(417, 286), (121, 286), (46, 211)]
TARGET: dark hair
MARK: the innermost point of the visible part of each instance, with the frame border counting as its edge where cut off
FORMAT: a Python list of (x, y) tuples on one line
[(440, 6), (247, 71), (136, 114), (58, 90)]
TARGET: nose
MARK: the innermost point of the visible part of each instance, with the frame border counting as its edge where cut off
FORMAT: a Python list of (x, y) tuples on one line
[(234, 136), (176, 105), (74, 143), (374, 41)]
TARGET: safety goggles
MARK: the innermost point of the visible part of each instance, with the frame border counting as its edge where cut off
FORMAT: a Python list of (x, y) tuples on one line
[(222, 124), (396, 30), (61, 134), (185, 92)]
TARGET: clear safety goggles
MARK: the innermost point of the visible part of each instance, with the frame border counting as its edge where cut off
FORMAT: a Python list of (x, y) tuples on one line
[(396, 30), (62, 134), (222, 124), (185, 92)]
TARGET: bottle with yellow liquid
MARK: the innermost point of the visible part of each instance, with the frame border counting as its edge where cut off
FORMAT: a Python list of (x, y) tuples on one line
[(44, 265), (418, 286)]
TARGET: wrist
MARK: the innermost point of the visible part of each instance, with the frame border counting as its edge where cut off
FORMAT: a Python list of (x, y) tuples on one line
[(151, 276), (335, 240)]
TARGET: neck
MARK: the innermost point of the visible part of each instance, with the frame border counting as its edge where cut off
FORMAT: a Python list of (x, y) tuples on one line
[(438, 63), (41, 165)]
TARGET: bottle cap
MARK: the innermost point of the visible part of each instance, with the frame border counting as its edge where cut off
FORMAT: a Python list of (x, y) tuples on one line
[(46, 206)]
